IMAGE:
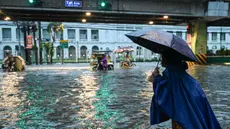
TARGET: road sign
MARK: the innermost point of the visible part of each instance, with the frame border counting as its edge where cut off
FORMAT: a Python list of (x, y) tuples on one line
[(29, 43), (64, 43), (73, 3)]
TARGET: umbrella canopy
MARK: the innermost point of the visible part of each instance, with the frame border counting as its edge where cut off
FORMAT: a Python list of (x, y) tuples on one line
[(160, 42), (128, 49), (118, 50), (123, 49)]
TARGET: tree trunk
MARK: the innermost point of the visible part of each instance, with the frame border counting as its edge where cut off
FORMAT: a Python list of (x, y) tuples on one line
[(47, 59), (28, 52), (51, 53), (35, 49), (40, 42), (52, 46)]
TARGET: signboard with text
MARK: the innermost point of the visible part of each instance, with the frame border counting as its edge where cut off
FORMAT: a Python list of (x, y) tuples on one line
[(73, 3), (64, 43), (29, 43)]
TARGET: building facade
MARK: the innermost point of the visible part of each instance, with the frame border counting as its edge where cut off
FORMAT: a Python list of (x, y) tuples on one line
[(83, 38)]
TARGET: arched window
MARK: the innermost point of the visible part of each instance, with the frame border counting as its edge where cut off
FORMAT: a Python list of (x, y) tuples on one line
[(83, 52), (72, 52), (95, 48), (139, 50), (58, 52), (7, 49)]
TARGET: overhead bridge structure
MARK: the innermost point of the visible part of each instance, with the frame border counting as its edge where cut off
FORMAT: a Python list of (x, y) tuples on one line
[(198, 13)]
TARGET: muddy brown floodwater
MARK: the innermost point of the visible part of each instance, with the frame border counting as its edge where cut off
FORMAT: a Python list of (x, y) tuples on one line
[(72, 96)]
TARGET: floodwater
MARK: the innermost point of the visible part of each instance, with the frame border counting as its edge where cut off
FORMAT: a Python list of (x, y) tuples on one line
[(72, 96)]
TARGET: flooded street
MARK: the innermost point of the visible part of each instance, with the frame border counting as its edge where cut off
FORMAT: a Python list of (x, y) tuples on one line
[(72, 96)]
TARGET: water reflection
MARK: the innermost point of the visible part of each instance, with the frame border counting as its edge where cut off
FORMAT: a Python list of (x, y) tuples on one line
[(10, 98), (79, 98)]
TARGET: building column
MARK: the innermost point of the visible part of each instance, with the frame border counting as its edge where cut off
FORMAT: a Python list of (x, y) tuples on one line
[(77, 33), (13, 33), (199, 37), (65, 34), (55, 52), (66, 53), (88, 35), (0, 34)]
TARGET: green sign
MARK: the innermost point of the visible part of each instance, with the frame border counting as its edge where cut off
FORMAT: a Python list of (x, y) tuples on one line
[(64, 43)]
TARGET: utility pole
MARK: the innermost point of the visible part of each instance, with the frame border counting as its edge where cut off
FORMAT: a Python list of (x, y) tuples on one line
[(25, 42), (221, 38), (34, 27), (19, 40), (62, 51), (40, 42), (28, 49)]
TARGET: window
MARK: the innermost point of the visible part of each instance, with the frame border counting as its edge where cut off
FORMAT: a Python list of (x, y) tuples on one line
[(94, 35), (46, 35), (170, 32), (138, 28), (129, 28), (186, 36), (179, 34), (214, 36), (83, 35), (58, 35), (17, 34), (6, 34), (222, 36), (71, 34), (138, 50)]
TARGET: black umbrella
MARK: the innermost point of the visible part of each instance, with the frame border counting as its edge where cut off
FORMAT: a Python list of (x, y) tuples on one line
[(160, 42)]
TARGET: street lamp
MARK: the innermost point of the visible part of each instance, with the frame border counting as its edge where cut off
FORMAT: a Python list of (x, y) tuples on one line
[(83, 20), (151, 22), (165, 17), (87, 13), (7, 18)]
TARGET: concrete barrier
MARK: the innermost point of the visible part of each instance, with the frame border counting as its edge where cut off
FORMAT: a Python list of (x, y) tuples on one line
[(202, 60), (218, 59)]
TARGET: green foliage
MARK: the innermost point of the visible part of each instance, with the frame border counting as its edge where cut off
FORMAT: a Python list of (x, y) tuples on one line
[(54, 25), (48, 48), (34, 47), (223, 52)]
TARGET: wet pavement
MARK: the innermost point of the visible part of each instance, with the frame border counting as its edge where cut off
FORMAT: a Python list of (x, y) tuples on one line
[(72, 96)]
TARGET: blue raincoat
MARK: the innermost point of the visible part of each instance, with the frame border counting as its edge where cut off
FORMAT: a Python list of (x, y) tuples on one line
[(179, 97)]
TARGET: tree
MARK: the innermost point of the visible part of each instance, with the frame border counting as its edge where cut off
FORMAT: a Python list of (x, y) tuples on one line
[(53, 28), (48, 49)]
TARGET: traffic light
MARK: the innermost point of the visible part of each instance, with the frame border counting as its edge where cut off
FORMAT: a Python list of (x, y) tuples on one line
[(103, 5), (31, 1), (35, 2)]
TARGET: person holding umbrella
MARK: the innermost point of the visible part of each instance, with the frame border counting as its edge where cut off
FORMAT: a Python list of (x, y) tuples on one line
[(177, 95)]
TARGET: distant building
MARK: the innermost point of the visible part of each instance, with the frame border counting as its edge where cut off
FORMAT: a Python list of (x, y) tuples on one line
[(85, 37)]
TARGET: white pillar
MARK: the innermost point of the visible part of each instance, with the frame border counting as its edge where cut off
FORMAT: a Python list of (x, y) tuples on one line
[(55, 52), (88, 35), (209, 37), (218, 37), (65, 34), (13, 33), (0, 34), (77, 34), (66, 53)]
